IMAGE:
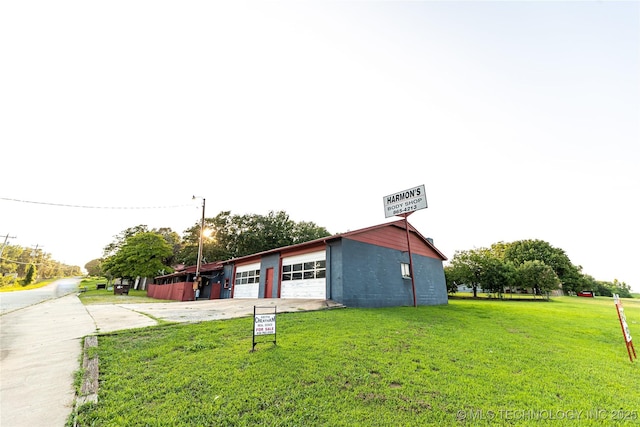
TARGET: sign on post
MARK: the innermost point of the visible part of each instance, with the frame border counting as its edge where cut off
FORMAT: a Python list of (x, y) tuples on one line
[(405, 202), (264, 324), (625, 327)]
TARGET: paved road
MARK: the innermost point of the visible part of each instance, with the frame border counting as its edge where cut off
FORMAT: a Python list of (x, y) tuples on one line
[(10, 301), (39, 350), (41, 343)]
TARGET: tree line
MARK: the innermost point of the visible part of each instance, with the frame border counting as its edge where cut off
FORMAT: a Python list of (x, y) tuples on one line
[(27, 265), (142, 252), (524, 265)]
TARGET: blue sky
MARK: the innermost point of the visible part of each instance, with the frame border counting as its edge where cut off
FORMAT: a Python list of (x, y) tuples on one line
[(522, 119)]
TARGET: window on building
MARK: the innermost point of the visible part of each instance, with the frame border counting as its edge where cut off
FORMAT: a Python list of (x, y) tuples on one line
[(245, 277), (406, 270), (304, 271)]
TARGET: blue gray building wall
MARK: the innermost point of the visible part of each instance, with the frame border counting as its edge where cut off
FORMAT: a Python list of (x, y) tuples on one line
[(334, 271), (212, 277), (365, 275), (228, 278), (270, 261)]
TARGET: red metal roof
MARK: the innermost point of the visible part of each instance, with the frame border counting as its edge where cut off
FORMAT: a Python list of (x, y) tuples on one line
[(399, 223), (219, 265)]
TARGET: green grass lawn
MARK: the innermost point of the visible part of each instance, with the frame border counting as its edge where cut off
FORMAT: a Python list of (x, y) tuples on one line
[(466, 363), (91, 295)]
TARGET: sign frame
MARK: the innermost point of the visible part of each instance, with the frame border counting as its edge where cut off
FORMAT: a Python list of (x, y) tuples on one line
[(264, 324)]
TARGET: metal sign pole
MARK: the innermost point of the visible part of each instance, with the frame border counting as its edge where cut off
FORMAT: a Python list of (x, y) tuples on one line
[(253, 330), (413, 281), (403, 204)]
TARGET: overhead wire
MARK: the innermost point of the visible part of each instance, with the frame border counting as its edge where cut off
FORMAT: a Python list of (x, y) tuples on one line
[(93, 207), (19, 262), (82, 207)]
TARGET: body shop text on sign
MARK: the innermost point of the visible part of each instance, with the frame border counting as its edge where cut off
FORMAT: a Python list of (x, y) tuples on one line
[(405, 202)]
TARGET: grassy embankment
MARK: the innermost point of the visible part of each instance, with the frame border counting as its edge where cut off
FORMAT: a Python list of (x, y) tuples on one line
[(17, 285), (470, 362), (106, 296)]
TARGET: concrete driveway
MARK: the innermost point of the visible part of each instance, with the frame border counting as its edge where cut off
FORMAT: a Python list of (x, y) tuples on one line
[(113, 317)]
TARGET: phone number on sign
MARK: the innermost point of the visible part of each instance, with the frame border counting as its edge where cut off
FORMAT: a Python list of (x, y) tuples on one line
[(551, 414), (404, 207)]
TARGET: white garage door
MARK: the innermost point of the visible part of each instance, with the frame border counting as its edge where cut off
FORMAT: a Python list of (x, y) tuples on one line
[(247, 281), (304, 276)]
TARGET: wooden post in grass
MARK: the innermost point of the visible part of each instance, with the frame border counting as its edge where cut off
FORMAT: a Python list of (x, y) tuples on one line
[(625, 328)]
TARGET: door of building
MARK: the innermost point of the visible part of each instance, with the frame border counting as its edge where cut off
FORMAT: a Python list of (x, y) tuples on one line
[(268, 284)]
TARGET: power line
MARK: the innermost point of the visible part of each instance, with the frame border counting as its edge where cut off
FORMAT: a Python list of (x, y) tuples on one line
[(19, 262), (92, 207)]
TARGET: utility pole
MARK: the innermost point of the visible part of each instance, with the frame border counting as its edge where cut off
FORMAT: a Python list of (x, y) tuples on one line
[(199, 262), (34, 252), (6, 237), (198, 279)]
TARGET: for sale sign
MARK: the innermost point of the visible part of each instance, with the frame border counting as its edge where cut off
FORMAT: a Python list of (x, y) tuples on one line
[(264, 324), (625, 328), (405, 202), (623, 319)]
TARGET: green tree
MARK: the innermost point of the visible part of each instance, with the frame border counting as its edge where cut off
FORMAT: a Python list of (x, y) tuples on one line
[(602, 288), (498, 249), (94, 267), (47, 266), (531, 250), (481, 268), (16, 259), (466, 269), (497, 275), (622, 289), (174, 240), (230, 236), (217, 240), (451, 279), (121, 239), (140, 255), (537, 276), (607, 289), (30, 276), (10, 254), (307, 231)]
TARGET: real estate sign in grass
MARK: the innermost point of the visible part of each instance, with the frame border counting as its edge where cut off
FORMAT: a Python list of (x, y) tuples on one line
[(562, 362)]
